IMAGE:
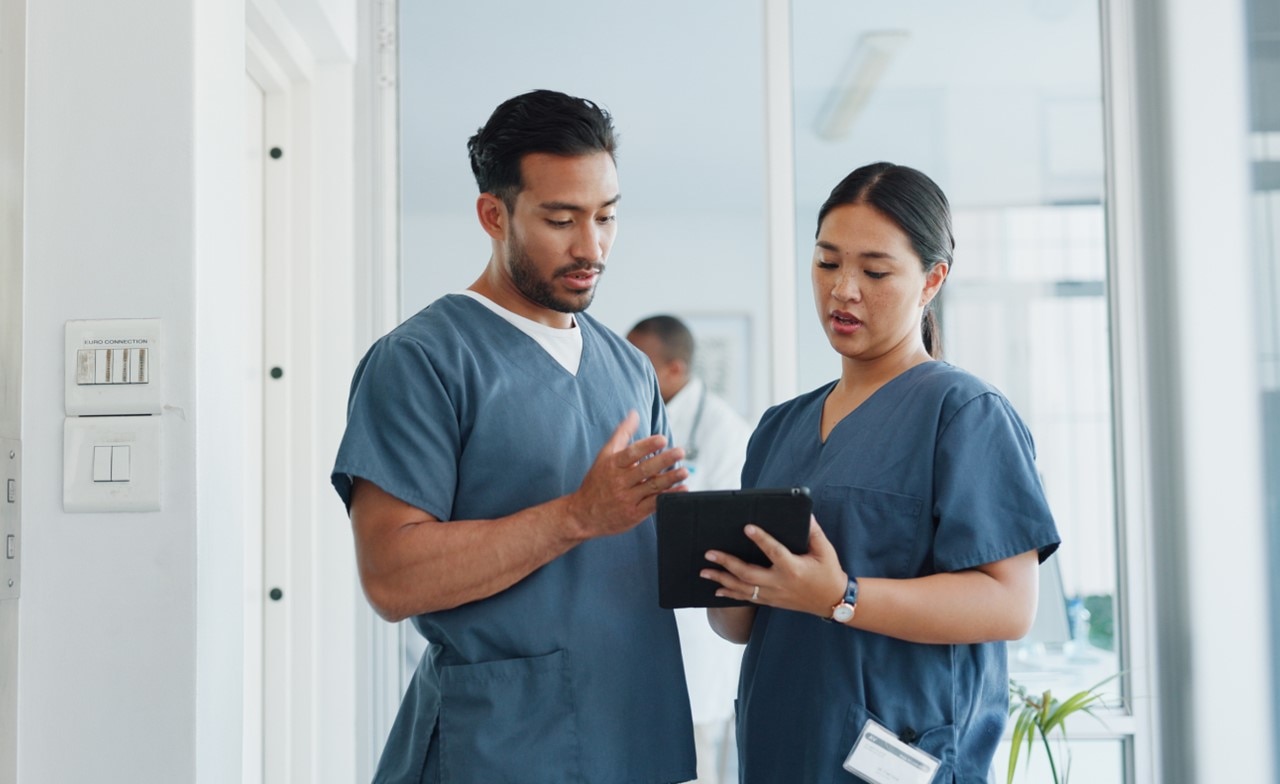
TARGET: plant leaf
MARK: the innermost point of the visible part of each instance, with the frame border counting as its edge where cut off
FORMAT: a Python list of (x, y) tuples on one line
[(1075, 702), (1022, 729), (1081, 700), (1044, 715)]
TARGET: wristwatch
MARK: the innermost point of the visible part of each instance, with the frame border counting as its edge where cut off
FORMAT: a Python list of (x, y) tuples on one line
[(842, 612)]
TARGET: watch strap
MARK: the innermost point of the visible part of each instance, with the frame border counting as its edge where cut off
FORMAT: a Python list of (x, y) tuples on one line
[(851, 592), (849, 600)]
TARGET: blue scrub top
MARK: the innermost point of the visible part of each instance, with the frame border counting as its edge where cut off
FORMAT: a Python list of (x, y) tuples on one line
[(934, 473), (574, 673)]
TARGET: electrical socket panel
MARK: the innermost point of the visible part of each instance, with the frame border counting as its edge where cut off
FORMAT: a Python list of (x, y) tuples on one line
[(111, 441), (114, 367)]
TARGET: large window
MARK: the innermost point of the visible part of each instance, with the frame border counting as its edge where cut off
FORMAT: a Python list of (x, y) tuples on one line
[(683, 82), (1000, 101), (1001, 104)]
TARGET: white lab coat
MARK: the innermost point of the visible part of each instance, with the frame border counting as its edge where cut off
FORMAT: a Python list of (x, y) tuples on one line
[(719, 443)]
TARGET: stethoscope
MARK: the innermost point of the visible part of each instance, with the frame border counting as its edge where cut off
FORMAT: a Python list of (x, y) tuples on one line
[(691, 448)]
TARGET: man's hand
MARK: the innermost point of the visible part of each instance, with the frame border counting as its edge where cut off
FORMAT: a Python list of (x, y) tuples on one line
[(622, 486)]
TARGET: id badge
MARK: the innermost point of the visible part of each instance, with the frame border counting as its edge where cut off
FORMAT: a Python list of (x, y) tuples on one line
[(879, 757)]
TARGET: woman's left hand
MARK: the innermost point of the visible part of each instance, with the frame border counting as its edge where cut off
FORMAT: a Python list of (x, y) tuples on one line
[(811, 583)]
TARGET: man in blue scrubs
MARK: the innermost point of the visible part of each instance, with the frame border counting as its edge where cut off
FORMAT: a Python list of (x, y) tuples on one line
[(502, 459)]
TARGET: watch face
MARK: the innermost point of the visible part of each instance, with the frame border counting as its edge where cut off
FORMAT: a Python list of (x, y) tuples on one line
[(842, 613)]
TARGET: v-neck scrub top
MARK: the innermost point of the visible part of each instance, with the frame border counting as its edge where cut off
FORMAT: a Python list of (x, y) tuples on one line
[(572, 674), (935, 472)]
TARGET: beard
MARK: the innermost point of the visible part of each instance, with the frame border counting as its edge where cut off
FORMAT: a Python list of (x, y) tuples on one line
[(541, 291)]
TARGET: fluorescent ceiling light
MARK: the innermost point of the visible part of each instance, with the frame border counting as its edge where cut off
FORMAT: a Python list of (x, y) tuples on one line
[(867, 63)]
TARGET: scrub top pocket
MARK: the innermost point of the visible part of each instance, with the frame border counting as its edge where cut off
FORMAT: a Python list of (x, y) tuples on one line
[(500, 720), (876, 533), (939, 742)]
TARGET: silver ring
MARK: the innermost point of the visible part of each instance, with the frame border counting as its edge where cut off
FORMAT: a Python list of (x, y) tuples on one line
[(755, 593)]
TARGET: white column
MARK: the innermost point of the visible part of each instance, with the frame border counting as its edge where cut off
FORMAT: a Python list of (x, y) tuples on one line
[(781, 202), (1201, 413)]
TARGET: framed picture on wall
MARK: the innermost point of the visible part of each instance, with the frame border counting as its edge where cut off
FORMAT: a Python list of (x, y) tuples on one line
[(722, 355)]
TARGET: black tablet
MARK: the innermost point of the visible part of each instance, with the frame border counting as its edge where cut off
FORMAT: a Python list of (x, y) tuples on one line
[(690, 524)]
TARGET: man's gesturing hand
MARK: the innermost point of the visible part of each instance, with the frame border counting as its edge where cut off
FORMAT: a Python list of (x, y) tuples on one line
[(622, 487)]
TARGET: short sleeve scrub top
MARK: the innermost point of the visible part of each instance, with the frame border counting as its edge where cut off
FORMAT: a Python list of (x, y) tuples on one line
[(572, 674), (934, 473)]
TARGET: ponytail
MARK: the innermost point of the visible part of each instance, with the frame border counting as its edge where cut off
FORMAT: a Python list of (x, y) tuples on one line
[(931, 332)]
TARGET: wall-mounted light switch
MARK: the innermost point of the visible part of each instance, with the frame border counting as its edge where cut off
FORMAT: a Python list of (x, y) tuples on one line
[(102, 463), (111, 464), (114, 398)]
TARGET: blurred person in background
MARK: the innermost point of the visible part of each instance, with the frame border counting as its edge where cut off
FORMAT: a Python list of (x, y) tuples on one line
[(714, 438)]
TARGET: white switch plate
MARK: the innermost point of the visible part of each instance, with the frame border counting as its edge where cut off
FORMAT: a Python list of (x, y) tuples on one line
[(141, 493), (123, 340)]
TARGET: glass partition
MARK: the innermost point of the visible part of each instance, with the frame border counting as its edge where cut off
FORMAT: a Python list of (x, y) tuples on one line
[(683, 82), (1001, 103)]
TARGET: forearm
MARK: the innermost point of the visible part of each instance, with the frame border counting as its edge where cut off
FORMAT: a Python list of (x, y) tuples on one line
[(411, 563), (732, 623), (994, 601), (950, 608), (424, 566)]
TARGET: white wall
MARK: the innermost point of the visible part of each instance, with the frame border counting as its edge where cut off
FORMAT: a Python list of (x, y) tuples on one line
[(337, 682), (328, 26), (220, 335), (131, 627), (107, 664)]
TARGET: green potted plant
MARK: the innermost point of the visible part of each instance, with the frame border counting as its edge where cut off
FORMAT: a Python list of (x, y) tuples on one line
[(1043, 715)]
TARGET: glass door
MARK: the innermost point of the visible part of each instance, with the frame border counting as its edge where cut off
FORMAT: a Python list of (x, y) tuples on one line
[(1001, 103)]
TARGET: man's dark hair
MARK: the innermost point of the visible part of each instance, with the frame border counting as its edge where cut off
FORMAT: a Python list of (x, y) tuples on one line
[(671, 332), (539, 121)]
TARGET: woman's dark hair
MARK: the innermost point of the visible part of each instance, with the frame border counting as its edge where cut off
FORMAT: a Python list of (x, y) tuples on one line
[(918, 206), (539, 121)]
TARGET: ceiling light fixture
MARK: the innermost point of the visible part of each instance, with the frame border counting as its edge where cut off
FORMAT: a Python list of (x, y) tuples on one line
[(867, 63)]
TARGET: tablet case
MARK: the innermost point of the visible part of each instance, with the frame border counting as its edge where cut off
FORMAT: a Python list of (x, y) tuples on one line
[(690, 524)]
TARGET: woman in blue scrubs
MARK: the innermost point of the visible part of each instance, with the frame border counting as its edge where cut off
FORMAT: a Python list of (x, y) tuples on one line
[(929, 522)]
